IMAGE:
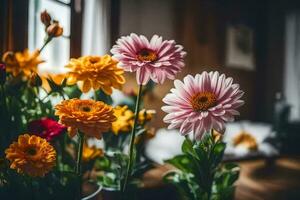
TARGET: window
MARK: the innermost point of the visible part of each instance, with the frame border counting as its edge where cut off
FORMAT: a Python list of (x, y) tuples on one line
[(292, 64), (58, 51)]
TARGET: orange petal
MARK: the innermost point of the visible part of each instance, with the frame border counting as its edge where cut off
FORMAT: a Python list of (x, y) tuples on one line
[(86, 86)]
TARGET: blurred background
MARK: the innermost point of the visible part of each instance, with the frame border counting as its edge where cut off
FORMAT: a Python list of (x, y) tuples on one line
[(257, 42)]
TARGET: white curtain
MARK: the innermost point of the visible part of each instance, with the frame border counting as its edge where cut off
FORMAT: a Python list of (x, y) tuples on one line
[(96, 27), (292, 64)]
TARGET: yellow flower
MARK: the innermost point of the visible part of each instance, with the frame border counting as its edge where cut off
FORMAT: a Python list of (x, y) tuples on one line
[(22, 62), (95, 72), (245, 139), (145, 116), (31, 155), (50, 80), (124, 119), (90, 153), (88, 116)]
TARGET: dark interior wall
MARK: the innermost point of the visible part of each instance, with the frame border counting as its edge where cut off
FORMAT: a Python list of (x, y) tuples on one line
[(203, 34), (13, 25), (200, 26), (272, 59), (272, 76)]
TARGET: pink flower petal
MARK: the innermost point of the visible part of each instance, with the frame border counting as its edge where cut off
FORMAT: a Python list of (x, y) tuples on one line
[(181, 113), (168, 63), (142, 76)]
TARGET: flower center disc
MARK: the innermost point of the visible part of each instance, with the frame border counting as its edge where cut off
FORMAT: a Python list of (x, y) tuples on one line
[(94, 60), (31, 151), (86, 109), (147, 55), (203, 101)]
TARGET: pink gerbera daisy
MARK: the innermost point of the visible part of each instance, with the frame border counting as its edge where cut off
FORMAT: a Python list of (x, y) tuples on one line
[(155, 59), (201, 103)]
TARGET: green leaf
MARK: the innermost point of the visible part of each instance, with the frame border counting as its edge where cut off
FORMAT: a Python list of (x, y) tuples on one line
[(231, 166), (201, 153), (217, 154), (140, 132), (172, 177), (186, 185), (101, 96), (182, 162), (219, 148), (102, 163), (187, 147), (72, 91)]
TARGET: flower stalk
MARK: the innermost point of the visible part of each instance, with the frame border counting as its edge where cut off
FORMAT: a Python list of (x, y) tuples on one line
[(78, 161), (132, 137), (48, 39), (79, 153)]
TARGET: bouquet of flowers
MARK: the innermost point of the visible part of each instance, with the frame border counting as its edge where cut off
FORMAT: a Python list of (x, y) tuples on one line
[(55, 140)]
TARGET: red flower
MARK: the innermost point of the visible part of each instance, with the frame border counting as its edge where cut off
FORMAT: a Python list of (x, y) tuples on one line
[(46, 128)]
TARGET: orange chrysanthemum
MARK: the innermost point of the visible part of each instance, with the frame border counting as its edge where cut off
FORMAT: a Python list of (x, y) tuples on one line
[(31, 155), (88, 116), (22, 62), (95, 72)]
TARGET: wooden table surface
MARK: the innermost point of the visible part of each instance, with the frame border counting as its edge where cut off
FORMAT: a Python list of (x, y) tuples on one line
[(259, 180), (262, 181)]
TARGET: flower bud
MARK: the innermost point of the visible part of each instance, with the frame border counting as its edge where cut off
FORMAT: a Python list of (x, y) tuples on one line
[(46, 18), (2, 73), (217, 136), (54, 30), (35, 80)]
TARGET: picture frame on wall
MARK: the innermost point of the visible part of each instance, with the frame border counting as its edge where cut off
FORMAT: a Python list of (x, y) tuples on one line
[(239, 52)]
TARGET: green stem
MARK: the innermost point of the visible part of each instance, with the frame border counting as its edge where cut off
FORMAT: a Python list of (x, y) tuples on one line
[(136, 116), (45, 43), (95, 95), (79, 153), (210, 170), (4, 98), (78, 161), (62, 95), (62, 146)]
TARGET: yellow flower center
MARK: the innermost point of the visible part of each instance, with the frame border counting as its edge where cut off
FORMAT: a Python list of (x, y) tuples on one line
[(203, 101), (147, 55), (31, 151), (245, 139)]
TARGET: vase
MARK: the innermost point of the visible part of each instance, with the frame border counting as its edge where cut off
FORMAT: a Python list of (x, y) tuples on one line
[(91, 191)]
